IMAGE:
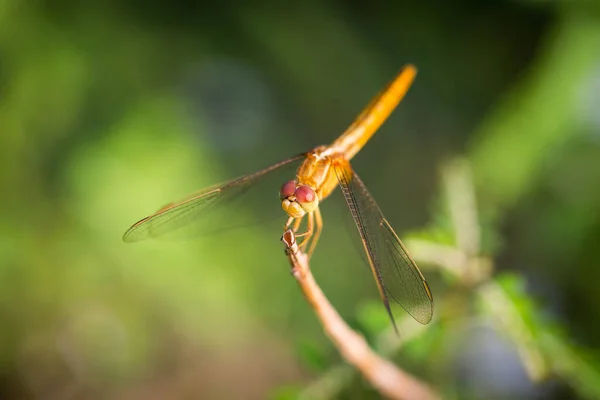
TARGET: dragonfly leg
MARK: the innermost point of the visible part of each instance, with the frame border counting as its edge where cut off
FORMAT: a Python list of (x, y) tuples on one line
[(288, 223), (308, 234), (296, 225), (318, 230)]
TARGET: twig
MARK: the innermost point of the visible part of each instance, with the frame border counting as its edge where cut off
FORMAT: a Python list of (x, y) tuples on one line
[(330, 383), (386, 377)]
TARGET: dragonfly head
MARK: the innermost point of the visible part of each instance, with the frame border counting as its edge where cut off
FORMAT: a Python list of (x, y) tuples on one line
[(298, 200)]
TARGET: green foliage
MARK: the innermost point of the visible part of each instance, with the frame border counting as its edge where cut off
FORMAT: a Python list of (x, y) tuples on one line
[(313, 356), (575, 364), (286, 393), (372, 317), (109, 110)]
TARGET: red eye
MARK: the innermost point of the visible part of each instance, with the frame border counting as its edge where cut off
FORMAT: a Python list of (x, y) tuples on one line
[(287, 189), (305, 194)]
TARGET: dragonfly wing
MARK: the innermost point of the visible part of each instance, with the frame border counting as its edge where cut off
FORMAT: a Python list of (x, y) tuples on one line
[(212, 209), (396, 274)]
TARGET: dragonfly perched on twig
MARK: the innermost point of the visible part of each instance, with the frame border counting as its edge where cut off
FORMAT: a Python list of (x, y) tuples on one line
[(321, 170)]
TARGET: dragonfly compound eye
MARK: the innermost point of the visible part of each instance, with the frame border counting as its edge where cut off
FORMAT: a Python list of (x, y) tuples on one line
[(307, 198), (287, 189)]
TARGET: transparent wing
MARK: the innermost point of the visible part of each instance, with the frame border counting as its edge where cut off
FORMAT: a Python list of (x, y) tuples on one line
[(213, 209), (396, 274)]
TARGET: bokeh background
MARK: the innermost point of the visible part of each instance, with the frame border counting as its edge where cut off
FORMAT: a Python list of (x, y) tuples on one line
[(490, 169)]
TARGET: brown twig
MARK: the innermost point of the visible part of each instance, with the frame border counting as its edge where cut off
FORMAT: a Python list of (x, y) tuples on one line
[(386, 377)]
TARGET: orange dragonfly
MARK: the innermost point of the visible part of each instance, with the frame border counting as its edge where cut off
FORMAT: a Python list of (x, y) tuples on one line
[(321, 170)]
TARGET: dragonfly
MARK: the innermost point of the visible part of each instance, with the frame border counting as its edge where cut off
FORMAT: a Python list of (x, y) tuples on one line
[(320, 172)]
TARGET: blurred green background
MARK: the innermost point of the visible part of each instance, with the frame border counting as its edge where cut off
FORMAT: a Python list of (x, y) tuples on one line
[(108, 110)]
